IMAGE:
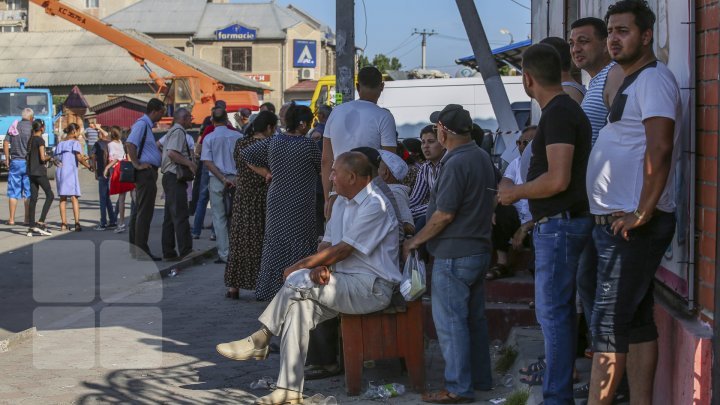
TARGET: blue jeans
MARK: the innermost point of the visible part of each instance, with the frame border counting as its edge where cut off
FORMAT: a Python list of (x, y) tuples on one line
[(623, 310), (458, 307), (202, 202), (106, 204), (558, 245)]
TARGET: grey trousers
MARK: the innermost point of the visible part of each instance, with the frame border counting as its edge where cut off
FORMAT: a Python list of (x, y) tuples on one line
[(293, 314)]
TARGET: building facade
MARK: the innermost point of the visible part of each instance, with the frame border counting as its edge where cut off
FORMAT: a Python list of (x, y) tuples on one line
[(277, 46), (21, 15)]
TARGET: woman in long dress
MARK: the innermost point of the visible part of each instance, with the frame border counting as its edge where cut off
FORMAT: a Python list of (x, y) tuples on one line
[(68, 155), (247, 225), (292, 162)]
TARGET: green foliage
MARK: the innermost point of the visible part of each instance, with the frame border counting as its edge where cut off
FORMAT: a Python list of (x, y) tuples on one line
[(506, 358), (519, 397), (380, 61)]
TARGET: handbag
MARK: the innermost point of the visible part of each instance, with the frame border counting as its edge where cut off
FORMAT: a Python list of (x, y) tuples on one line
[(413, 283), (183, 172), (127, 169), (117, 186)]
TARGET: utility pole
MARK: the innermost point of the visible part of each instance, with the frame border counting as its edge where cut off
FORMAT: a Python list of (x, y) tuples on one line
[(425, 33), (345, 51), (486, 65)]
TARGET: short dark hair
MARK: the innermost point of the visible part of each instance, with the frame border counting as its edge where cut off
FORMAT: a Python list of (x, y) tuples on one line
[(528, 128), (37, 125), (644, 16), (598, 25), (269, 106), (428, 129), (296, 114), (542, 62), (357, 163), (562, 48), (263, 120), (219, 115), (154, 105), (370, 76)]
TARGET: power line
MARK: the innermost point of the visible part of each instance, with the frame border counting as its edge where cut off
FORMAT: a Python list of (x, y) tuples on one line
[(407, 41), (406, 53), (520, 4)]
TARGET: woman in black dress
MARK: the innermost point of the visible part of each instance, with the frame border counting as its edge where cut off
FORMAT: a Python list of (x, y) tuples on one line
[(292, 162), (247, 225)]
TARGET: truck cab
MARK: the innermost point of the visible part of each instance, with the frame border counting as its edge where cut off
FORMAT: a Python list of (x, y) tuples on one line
[(14, 99)]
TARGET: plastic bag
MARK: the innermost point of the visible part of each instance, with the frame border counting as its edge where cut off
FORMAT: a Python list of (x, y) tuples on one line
[(413, 283)]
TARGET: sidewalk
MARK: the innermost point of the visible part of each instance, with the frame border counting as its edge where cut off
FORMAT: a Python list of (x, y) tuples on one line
[(66, 257)]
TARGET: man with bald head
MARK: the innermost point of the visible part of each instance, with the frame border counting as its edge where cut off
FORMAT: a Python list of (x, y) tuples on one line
[(354, 272), (176, 225)]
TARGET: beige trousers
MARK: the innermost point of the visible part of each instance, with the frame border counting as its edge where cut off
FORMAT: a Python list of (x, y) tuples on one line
[(293, 314)]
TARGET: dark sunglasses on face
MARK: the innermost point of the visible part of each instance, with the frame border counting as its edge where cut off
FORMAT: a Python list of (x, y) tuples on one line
[(523, 142)]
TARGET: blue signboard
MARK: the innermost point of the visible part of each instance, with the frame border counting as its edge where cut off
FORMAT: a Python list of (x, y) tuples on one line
[(304, 53), (235, 32)]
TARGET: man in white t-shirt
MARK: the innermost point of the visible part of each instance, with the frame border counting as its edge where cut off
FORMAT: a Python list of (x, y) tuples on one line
[(356, 124), (630, 185), (355, 271)]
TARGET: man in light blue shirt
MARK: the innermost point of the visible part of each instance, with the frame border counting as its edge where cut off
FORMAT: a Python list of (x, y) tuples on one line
[(146, 158), (217, 156)]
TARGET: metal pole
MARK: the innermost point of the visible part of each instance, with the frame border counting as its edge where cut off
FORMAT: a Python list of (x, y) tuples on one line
[(424, 45), (486, 65), (345, 50)]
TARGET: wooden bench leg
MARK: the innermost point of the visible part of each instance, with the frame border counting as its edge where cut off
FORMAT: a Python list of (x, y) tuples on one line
[(415, 349), (352, 353)]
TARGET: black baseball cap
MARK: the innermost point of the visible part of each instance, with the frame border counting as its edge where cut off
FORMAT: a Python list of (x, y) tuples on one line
[(453, 117)]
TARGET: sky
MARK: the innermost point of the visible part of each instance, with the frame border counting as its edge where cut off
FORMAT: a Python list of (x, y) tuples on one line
[(391, 22)]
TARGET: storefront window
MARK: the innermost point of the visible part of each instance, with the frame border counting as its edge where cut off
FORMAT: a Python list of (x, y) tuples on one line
[(238, 59)]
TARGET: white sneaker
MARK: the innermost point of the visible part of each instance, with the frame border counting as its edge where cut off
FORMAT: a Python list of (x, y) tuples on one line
[(120, 228), (41, 231)]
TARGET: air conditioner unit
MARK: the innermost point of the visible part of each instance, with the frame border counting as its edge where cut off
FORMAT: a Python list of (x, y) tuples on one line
[(307, 74)]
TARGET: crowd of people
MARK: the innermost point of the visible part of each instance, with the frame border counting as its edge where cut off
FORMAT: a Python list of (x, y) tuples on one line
[(316, 214)]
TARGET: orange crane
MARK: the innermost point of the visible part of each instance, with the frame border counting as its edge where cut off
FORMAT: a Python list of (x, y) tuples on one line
[(189, 88)]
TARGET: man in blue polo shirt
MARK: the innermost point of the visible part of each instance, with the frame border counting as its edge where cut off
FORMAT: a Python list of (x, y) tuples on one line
[(146, 157)]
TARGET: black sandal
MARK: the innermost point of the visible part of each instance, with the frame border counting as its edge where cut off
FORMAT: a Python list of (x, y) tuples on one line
[(63, 227), (533, 379), (498, 271), (77, 227), (533, 368)]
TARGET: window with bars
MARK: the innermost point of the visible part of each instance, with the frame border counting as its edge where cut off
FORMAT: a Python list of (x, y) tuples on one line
[(238, 59)]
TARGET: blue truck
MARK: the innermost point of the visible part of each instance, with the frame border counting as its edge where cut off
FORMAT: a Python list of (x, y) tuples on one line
[(14, 99)]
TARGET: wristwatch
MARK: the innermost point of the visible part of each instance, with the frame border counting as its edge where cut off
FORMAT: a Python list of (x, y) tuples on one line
[(639, 215)]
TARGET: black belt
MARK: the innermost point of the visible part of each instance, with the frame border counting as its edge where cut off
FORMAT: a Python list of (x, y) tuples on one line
[(609, 219), (564, 215)]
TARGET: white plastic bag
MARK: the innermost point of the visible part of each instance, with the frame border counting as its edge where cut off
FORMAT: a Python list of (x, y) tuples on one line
[(413, 284)]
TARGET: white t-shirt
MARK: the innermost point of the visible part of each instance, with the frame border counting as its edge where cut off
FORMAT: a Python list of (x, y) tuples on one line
[(116, 151), (367, 223), (512, 172), (360, 123), (402, 197), (615, 169)]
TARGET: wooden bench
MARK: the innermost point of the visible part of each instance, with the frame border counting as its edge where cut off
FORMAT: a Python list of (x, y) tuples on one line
[(396, 332)]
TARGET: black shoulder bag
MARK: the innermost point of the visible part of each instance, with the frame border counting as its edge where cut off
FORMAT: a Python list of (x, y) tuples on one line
[(127, 170)]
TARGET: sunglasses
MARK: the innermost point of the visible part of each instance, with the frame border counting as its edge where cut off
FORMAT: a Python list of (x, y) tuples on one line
[(439, 124), (523, 142)]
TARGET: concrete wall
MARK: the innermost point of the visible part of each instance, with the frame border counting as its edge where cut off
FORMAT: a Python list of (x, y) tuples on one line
[(708, 52), (38, 20)]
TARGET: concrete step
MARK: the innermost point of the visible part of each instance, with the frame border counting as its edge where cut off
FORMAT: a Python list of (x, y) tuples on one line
[(520, 289), (501, 318)]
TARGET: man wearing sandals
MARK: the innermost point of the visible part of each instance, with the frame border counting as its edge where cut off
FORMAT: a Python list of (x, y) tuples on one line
[(457, 232), (361, 243), (555, 189)]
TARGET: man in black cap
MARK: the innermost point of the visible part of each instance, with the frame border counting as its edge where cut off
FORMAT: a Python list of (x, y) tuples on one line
[(458, 235), (555, 190)]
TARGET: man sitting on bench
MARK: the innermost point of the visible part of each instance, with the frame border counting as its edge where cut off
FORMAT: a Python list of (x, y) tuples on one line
[(361, 243)]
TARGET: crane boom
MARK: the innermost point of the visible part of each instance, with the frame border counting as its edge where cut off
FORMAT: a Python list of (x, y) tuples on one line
[(203, 89)]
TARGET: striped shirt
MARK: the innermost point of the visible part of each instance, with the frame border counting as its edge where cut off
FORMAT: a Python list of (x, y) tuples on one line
[(421, 190), (594, 102)]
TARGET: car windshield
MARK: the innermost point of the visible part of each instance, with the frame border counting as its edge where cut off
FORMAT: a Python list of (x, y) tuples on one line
[(12, 104)]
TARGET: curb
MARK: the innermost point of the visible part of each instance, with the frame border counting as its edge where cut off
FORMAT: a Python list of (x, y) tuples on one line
[(7, 343)]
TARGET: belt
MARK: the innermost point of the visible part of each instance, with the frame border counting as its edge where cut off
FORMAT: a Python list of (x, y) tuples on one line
[(564, 215), (609, 219)]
